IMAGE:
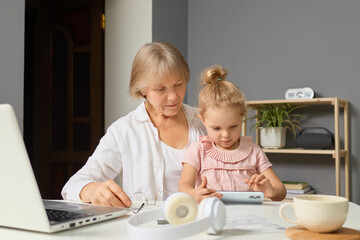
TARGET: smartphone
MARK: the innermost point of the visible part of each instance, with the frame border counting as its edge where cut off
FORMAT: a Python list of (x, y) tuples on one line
[(242, 197)]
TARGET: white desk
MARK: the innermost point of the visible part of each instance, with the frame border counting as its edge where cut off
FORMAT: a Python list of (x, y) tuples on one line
[(116, 228)]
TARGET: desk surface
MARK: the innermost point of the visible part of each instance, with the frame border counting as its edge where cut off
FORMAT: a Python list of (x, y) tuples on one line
[(116, 228)]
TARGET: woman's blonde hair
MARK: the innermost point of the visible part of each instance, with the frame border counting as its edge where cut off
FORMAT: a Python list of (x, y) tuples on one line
[(153, 62), (216, 91)]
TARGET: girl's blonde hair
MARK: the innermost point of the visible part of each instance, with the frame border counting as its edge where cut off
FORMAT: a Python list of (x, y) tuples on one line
[(216, 91), (152, 63)]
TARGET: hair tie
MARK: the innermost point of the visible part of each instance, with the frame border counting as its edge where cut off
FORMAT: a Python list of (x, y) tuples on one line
[(219, 79)]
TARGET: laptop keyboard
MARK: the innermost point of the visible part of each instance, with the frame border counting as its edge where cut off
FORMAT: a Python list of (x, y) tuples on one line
[(56, 216)]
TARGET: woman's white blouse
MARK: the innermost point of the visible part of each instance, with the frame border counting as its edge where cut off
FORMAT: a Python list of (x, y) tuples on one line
[(132, 154)]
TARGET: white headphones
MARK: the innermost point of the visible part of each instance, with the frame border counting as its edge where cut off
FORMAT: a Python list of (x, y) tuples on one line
[(184, 215)]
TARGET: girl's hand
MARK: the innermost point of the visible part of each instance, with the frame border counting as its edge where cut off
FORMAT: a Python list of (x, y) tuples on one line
[(259, 183), (202, 191)]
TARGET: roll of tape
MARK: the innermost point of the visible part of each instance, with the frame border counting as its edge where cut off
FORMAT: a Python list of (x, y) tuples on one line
[(180, 209)]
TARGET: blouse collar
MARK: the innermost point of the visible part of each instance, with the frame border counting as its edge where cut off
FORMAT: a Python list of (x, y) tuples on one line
[(228, 156)]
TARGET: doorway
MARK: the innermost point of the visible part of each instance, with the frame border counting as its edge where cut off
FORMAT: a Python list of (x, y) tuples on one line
[(64, 88)]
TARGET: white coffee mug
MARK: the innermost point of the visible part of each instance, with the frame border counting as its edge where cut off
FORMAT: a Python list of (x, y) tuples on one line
[(318, 213)]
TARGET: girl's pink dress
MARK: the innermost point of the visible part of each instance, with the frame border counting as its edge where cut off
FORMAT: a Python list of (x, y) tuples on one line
[(226, 170)]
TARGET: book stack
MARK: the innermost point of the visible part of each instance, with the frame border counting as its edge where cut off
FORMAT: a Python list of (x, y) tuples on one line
[(294, 189)]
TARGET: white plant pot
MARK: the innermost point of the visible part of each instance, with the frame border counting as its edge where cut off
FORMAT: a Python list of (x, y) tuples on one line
[(273, 137)]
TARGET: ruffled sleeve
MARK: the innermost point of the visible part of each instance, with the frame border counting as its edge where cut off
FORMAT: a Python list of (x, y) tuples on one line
[(206, 142), (193, 155)]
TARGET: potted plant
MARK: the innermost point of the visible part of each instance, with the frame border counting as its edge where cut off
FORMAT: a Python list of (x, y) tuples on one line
[(273, 120)]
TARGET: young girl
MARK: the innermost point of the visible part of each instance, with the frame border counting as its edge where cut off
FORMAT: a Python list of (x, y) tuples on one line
[(223, 160)]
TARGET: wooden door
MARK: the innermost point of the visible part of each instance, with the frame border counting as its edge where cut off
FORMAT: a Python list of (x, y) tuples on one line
[(68, 90)]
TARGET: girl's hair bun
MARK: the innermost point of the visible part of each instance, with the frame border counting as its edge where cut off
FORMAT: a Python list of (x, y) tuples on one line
[(214, 74)]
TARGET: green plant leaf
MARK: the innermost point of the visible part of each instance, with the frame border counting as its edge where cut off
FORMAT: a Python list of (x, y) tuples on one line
[(274, 115)]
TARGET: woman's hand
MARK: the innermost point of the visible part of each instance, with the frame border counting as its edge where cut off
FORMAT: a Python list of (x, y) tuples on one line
[(106, 193), (202, 191)]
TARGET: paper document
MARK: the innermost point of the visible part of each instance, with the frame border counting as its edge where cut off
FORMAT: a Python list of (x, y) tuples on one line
[(236, 223)]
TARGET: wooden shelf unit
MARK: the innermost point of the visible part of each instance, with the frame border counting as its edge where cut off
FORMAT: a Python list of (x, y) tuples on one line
[(337, 153)]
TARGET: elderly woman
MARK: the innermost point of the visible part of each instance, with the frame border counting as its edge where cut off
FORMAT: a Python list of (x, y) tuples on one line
[(142, 151)]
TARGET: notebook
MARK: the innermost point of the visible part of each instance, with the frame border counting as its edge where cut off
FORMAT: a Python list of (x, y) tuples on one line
[(21, 205)]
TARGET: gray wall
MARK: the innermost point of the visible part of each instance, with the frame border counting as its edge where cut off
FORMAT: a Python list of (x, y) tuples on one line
[(272, 45), (12, 15), (170, 23)]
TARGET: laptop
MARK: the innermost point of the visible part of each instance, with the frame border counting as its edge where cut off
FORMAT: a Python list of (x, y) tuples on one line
[(21, 205)]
